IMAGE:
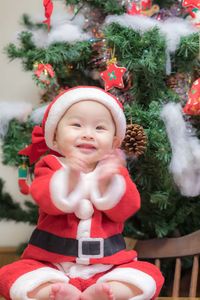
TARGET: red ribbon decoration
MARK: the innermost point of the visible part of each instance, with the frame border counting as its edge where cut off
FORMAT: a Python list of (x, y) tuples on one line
[(48, 5), (44, 67), (38, 146), (41, 68)]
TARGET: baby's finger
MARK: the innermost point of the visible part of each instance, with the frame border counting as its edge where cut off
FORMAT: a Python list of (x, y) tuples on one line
[(108, 173)]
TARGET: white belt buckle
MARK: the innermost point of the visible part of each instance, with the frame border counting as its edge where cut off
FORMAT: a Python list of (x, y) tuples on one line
[(80, 247)]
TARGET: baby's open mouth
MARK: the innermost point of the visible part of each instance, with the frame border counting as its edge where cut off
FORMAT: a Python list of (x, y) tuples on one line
[(86, 146)]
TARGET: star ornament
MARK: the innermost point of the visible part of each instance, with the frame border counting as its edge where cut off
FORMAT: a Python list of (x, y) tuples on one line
[(113, 76), (193, 3)]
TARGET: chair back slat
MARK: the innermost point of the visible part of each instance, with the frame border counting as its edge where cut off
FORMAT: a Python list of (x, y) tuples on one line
[(177, 278), (194, 277)]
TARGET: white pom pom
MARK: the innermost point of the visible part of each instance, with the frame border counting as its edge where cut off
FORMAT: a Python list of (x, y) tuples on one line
[(85, 210)]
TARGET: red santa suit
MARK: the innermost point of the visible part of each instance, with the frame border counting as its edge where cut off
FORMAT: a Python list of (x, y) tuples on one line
[(78, 236)]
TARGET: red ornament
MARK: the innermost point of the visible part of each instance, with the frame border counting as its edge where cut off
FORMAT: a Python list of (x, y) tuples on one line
[(44, 69), (113, 76), (192, 107), (48, 6), (134, 10), (146, 4), (193, 3), (23, 179)]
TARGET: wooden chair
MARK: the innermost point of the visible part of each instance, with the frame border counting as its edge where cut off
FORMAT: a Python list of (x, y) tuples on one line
[(177, 248), (8, 255)]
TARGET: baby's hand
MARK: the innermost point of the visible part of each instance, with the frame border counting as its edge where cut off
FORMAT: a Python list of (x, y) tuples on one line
[(110, 164), (108, 167), (76, 166)]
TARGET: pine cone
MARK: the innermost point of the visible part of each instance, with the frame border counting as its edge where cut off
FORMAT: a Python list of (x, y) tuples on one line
[(176, 80), (171, 81), (180, 84), (135, 141)]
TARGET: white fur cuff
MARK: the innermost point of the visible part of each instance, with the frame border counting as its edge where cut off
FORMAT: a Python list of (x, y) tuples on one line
[(136, 277), (59, 191), (29, 281), (112, 196)]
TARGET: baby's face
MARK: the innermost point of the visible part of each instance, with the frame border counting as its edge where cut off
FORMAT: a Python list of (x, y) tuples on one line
[(86, 131)]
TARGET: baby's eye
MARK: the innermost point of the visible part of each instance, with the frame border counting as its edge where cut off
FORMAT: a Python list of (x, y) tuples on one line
[(100, 127), (76, 124)]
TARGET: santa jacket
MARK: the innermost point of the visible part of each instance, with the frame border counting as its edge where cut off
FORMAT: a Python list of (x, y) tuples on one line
[(81, 227), (67, 221)]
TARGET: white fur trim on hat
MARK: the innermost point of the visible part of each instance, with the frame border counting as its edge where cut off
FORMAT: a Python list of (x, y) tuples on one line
[(78, 94)]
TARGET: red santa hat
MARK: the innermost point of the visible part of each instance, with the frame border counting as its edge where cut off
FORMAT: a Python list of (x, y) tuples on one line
[(42, 137)]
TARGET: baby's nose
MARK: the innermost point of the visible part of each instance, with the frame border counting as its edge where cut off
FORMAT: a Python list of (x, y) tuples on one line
[(88, 134)]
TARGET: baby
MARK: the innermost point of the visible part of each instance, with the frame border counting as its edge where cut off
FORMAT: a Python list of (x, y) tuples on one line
[(85, 195)]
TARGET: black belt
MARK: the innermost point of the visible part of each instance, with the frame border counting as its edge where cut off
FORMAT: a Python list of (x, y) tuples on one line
[(84, 247)]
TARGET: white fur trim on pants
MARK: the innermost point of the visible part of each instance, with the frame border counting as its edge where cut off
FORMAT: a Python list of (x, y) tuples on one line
[(31, 280), (136, 277)]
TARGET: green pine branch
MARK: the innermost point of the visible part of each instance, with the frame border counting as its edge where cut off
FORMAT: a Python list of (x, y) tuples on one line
[(10, 210), (56, 54), (163, 209), (17, 138), (107, 7)]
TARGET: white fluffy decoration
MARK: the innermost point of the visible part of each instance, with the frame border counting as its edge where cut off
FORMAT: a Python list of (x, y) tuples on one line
[(185, 162), (38, 114), (63, 29), (172, 29), (12, 110), (67, 33), (61, 17)]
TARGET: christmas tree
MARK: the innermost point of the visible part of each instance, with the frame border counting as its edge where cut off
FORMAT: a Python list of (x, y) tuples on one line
[(155, 48)]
